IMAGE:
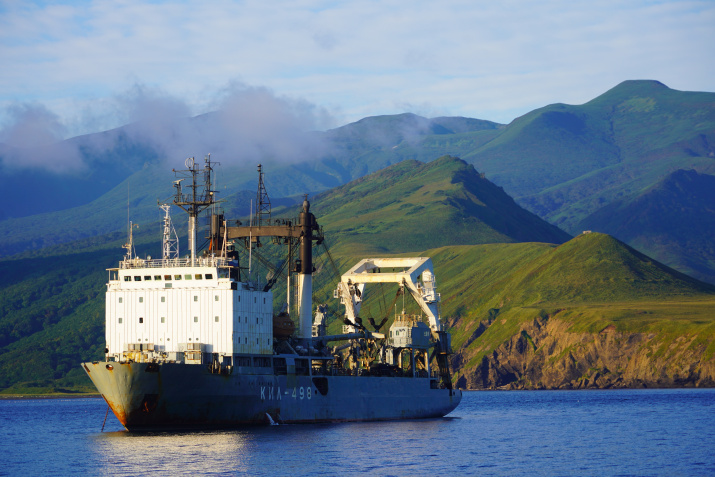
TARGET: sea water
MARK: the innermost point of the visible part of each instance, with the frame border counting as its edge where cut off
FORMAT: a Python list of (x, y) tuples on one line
[(614, 432)]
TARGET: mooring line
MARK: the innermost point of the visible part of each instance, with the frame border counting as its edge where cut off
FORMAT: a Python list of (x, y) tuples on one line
[(105, 418)]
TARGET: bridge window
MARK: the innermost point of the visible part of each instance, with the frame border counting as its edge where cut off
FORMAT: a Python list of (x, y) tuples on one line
[(177, 277), (198, 276), (127, 278), (147, 278), (209, 276), (167, 277), (157, 277), (137, 279), (187, 276)]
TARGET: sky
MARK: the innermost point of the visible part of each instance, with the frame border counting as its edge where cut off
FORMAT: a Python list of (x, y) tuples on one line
[(71, 68)]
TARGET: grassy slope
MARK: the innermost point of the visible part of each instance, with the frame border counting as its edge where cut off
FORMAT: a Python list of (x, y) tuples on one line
[(442, 202), (592, 281), (564, 162)]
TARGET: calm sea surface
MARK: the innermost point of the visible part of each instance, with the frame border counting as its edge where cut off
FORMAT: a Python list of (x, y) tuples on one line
[(644, 432)]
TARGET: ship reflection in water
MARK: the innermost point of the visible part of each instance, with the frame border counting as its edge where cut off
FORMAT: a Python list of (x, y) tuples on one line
[(273, 450), (197, 453)]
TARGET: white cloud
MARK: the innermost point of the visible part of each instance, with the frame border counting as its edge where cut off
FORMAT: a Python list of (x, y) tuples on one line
[(491, 60), (34, 135), (247, 124)]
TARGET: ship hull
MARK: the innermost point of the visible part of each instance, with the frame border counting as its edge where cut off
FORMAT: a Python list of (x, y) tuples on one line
[(151, 396)]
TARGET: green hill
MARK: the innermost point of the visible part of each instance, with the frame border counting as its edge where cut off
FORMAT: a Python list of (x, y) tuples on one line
[(412, 206), (53, 297), (636, 162), (566, 162), (534, 315)]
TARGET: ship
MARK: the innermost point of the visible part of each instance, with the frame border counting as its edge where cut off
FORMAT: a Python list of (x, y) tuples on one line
[(194, 342)]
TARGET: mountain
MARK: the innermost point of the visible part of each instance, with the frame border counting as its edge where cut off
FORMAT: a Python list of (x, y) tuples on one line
[(51, 309), (561, 162), (637, 162), (566, 162), (123, 173), (674, 218), (52, 301), (412, 206)]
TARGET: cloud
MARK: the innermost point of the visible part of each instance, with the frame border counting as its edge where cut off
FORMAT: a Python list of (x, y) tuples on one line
[(489, 60), (34, 136), (245, 125)]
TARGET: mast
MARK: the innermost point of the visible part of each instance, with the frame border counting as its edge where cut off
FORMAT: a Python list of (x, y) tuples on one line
[(263, 202), (198, 199), (305, 273), (170, 241)]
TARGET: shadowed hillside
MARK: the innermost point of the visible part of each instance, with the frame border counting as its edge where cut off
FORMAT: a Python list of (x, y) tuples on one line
[(675, 218)]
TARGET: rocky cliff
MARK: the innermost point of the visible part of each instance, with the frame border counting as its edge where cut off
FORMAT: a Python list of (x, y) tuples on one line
[(546, 355)]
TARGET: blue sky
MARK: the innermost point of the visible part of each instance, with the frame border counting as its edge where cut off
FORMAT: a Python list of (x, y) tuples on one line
[(92, 65)]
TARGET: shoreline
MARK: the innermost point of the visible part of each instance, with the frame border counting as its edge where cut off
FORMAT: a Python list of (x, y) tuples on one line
[(48, 396)]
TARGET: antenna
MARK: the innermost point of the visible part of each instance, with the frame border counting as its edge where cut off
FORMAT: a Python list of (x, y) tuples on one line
[(130, 245), (198, 199), (263, 203), (250, 242), (170, 242)]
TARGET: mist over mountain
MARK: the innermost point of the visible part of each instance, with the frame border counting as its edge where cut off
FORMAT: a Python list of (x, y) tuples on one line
[(562, 162)]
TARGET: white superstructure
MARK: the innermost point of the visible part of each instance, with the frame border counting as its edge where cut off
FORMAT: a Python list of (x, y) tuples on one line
[(168, 308)]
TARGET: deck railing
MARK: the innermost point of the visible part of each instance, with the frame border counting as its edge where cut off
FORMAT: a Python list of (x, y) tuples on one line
[(174, 263)]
